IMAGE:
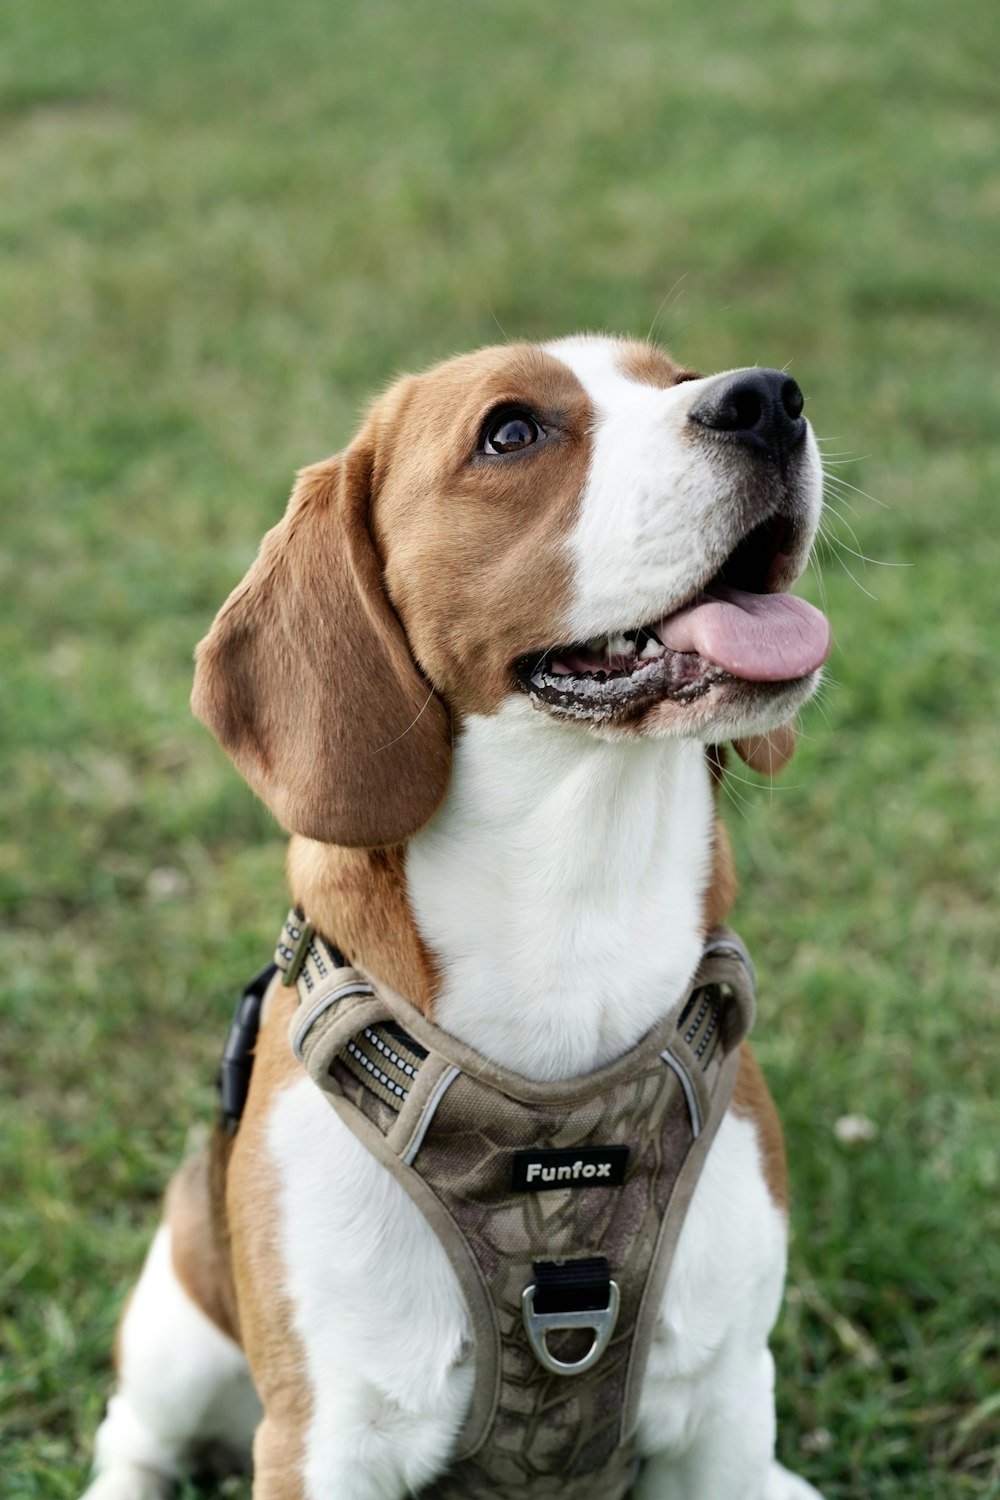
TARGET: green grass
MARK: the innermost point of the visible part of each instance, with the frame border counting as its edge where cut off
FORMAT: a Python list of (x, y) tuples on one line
[(221, 228)]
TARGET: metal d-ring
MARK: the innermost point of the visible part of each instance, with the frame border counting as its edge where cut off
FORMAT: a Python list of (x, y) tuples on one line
[(601, 1322)]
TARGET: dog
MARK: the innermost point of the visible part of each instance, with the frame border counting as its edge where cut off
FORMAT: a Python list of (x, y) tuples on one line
[(481, 671)]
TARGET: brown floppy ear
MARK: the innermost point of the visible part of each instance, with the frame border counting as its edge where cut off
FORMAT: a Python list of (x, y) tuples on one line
[(768, 753), (307, 680)]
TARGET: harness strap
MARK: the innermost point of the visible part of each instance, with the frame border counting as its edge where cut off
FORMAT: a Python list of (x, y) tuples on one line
[(718, 1012), (389, 1072)]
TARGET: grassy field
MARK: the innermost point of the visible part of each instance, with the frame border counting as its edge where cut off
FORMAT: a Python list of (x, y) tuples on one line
[(221, 228)]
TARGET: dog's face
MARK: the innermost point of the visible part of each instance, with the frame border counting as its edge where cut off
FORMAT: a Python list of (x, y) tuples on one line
[(584, 523)]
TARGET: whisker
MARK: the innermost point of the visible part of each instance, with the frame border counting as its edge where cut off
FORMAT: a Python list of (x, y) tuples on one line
[(497, 321), (836, 541), (740, 803), (814, 563), (876, 562), (819, 698), (409, 726), (882, 504), (656, 315), (786, 786), (831, 496), (841, 485), (833, 545), (854, 579), (675, 333)]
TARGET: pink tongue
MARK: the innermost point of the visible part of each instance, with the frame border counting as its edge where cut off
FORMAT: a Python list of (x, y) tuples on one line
[(760, 637)]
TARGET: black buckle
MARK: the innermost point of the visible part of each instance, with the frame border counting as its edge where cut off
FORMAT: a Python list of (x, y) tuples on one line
[(233, 1081)]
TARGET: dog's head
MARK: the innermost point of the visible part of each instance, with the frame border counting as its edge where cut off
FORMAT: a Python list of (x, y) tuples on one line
[(584, 523)]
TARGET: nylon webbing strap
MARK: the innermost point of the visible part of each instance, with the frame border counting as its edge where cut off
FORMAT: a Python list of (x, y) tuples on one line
[(382, 1056), (726, 973), (303, 955), (571, 1285), (716, 1015), (698, 1022)]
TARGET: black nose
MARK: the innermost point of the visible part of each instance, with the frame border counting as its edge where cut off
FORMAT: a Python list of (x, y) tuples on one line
[(761, 408)]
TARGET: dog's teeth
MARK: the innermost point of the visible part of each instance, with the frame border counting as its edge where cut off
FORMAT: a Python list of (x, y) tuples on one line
[(599, 643), (620, 645), (650, 649)]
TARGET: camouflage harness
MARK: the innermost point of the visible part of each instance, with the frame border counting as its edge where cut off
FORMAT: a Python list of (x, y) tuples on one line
[(558, 1204)]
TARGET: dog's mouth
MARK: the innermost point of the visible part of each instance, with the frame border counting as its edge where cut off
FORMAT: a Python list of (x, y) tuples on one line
[(737, 627)]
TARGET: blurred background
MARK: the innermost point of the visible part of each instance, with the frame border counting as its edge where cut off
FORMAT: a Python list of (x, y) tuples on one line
[(222, 228)]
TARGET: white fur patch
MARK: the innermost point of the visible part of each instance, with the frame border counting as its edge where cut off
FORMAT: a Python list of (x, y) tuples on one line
[(707, 1403), (655, 520), (377, 1307), (560, 887), (182, 1383)]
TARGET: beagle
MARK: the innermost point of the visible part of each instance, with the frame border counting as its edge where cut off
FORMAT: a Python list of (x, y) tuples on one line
[(480, 671)]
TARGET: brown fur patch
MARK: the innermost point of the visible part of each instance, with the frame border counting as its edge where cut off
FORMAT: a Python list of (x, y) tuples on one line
[(721, 891), (651, 366), (752, 1101), (474, 546), (722, 886), (199, 1242), (357, 898), (307, 680), (407, 575), (276, 1356)]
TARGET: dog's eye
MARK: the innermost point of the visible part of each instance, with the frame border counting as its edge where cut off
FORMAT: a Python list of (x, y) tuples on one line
[(509, 432)]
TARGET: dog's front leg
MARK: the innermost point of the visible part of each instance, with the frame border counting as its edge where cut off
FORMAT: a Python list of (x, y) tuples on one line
[(277, 1461), (367, 1461), (352, 1317), (727, 1455), (730, 1456)]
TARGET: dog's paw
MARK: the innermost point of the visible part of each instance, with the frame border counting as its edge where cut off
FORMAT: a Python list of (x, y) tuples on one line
[(125, 1481), (784, 1485)]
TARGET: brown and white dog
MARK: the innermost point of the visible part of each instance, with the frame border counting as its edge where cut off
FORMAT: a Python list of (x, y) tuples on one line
[(477, 670)]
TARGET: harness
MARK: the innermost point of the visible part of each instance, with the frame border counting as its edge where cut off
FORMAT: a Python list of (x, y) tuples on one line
[(559, 1204)]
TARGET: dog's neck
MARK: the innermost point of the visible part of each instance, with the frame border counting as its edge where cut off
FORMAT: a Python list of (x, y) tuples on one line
[(561, 887), (555, 907)]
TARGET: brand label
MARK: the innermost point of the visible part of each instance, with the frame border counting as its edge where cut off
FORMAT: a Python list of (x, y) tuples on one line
[(582, 1166)]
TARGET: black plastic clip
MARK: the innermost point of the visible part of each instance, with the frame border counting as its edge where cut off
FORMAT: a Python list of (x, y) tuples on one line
[(237, 1057)]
